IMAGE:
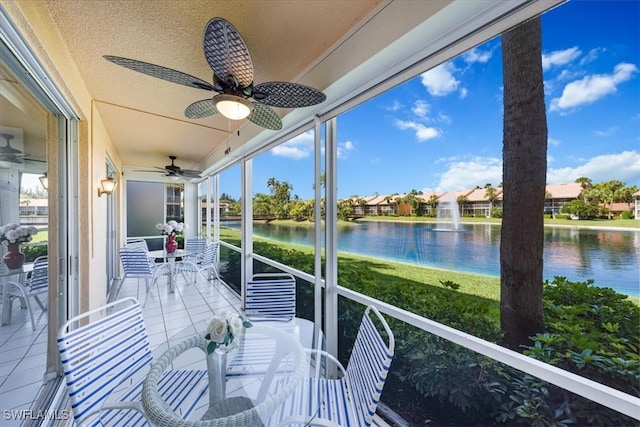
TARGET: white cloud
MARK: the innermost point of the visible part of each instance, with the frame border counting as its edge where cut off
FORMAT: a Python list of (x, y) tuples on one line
[(623, 166), (553, 142), (559, 57), (591, 88), (297, 148), (606, 132), (444, 118), (440, 80), (476, 55), (395, 106), (463, 174), (420, 108), (423, 133), (592, 55), (344, 148)]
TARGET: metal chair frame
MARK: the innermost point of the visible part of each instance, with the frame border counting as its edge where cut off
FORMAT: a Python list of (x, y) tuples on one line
[(37, 283)]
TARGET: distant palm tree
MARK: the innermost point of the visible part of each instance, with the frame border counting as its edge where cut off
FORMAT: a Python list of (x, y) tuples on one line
[(462, 200), (586, 185), (491, 194)]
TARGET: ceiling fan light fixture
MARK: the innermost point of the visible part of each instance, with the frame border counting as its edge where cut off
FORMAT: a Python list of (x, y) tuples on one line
[(232, 107)]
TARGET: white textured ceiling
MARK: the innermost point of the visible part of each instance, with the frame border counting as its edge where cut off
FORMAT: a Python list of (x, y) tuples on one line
[(144, 116), (332, 45)]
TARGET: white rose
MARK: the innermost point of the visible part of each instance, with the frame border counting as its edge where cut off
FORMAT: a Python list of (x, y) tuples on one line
[(236, 327), (159, 226), (217, 329)]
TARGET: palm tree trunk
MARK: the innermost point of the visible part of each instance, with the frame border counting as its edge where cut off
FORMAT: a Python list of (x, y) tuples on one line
[(524, 176)]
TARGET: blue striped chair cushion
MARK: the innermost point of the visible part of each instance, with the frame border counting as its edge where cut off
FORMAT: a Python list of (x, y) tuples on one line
[(352, 399), (135, 263), (101, 357), (270, 296)]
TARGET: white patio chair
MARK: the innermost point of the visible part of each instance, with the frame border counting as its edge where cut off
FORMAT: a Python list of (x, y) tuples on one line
[(270, 296), (36, 285), (194, 249), (206, 263), (135, 264), (102, 351), (137, 244), (350, 400)]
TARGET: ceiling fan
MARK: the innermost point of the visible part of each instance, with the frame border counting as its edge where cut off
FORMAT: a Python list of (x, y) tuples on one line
[(237, 98), (8, 153), (174, 170)]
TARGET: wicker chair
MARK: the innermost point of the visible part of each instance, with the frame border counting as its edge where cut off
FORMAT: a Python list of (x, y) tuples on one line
[(105, 349)]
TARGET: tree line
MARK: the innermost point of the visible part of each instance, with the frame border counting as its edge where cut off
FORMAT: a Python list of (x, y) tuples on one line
[(595, 200)]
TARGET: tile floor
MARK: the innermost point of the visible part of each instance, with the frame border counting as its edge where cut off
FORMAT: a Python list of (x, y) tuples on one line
[(22, 350)]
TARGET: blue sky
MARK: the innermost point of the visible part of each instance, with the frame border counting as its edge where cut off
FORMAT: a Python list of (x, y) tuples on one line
[(442, 130)]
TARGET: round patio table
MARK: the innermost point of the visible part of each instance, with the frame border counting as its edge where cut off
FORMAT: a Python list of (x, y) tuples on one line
[(248, 386)]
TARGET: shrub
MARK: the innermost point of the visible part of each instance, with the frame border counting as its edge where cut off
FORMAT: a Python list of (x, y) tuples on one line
[(591, 331), (626, 215), (31, 252)]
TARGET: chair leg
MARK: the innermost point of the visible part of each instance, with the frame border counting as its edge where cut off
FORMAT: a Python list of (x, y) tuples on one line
[(33, 322), (42, 306), (215, 270), (24, 303), (148, 289)]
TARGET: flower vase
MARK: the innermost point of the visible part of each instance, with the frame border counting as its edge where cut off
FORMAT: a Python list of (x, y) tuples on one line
[(217, 371), (13, 258), (171, 246)]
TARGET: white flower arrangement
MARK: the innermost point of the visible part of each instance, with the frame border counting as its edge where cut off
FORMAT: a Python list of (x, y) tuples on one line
[(15, 233), (171, 228), (224, 328)]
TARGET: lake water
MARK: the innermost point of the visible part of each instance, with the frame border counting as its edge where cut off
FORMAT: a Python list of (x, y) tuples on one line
[(609, 257)]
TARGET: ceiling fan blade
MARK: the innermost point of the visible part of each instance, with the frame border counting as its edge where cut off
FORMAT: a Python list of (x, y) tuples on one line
[(264, 116), (148, 170), (287, 95), (187, 173), (12, 158), (163, 73), (227, 54), (200, 109)]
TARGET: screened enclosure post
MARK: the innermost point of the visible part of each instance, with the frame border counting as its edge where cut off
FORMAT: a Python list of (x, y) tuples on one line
[(246, 267), (317, 289), (331, 230)]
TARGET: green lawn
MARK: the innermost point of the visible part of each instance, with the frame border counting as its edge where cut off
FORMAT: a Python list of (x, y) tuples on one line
[(41, 236)]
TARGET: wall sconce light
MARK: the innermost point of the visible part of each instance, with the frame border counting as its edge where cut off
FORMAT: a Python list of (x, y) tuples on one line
[(44, 180), (232, 107), (107, 186)]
